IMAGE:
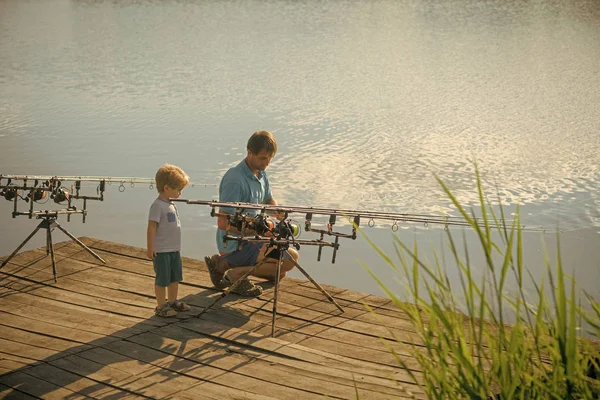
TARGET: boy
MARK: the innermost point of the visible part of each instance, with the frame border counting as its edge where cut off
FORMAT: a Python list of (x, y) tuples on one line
[(164, 240)]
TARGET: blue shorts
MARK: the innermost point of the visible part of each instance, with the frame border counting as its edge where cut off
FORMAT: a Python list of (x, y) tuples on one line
[(248, 255), (168, 268)]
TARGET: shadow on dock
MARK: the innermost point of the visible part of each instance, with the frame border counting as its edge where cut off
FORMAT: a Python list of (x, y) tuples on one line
[(93, 334)]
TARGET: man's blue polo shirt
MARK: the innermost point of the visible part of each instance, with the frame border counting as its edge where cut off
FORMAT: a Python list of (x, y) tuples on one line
[(239, 184)]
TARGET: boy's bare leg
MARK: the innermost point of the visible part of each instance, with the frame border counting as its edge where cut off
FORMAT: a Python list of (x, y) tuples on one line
[(160, 292), (172, 291)]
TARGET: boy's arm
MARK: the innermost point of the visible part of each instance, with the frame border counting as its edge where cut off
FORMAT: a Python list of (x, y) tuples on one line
[(152, 225)]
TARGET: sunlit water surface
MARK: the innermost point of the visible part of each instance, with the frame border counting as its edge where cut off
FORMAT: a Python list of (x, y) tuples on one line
[(368, 102)]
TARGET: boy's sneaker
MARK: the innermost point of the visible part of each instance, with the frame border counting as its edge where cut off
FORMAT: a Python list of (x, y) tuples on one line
[(245, 287), (216, 277), (165, 311)]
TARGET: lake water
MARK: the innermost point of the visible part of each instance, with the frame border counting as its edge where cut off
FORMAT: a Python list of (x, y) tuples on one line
[(367, 100)]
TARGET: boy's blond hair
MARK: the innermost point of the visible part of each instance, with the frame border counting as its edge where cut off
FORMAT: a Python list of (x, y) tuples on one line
[(171, 175)]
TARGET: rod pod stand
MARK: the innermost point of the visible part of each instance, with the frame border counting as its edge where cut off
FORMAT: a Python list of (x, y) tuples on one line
[(282, 246), (49, 223)]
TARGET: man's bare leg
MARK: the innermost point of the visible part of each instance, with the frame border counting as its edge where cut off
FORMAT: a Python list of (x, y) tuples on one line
[(268, 269)]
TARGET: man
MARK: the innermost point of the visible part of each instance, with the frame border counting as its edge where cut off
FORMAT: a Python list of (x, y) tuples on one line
[(246, 183)]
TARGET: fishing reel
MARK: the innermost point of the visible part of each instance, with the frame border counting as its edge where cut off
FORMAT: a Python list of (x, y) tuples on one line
[(9, 193), (281, 229), (263, 224), (60, 195), (37, 195)]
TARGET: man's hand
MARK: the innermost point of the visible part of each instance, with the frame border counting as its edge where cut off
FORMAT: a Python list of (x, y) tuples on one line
[(268, 234), (275, 214), (278, 215)]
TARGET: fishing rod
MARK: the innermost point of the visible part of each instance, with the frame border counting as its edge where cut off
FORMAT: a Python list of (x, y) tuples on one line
[(63, 189), (106, 179), (271, 225), (253, 221), (354, 215)]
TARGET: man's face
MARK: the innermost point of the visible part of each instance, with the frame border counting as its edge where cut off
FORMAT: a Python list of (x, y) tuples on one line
[(259, 161)]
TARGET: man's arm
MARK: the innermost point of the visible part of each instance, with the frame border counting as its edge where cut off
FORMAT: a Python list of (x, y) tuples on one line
[(275, 214), (223, 223), (231, 192)]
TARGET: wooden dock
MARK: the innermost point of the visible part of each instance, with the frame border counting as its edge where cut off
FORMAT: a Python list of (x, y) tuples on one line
[(93, 334)]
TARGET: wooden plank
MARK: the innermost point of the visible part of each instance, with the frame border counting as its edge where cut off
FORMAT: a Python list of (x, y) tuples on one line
[(78, 277), (194, 276), (155, 381), (301, 353), (230, 369), (212, 348), (353, 300), (113, 376), (10, 365), (25, 350), (104, 313), (359, 323), (33, 324), (127, 357), (284, 348), (365, 328), (7, 393), (205, 390), (40, 257), (313, 300), (295, 331), (112, 284), (308, 300), (57, 316), (40, 340), (37, 387), (309, 297), (335, 341), (77, 383), (294, 319), (196, 265), (121, 313)]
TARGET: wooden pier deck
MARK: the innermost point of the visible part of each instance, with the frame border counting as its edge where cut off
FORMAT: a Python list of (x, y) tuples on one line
[(93, 334)]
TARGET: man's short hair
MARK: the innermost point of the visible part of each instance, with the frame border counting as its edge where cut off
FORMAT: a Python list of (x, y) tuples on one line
[(170, 175), (262, 141)]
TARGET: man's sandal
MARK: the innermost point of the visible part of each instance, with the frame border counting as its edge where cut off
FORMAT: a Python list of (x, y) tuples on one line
[(244, 287), (216, 277), (165, 311), (180, 306)]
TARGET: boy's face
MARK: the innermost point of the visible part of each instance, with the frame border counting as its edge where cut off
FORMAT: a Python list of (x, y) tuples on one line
[(172, 193)]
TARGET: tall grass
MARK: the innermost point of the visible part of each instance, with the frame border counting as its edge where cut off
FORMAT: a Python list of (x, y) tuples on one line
[(467, 349)]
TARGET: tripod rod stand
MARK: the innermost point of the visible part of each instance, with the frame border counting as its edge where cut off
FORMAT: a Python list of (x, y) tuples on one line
[(49, 222), (283, 253)]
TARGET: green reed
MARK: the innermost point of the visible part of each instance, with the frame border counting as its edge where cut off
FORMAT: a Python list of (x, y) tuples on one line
[(466, 348)]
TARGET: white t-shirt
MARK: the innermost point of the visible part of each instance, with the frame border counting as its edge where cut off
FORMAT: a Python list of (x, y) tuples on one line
[(168, 232)]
